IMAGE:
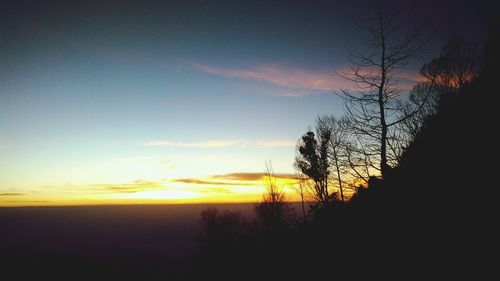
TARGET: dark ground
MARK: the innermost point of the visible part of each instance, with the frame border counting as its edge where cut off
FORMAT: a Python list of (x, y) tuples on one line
[(133, 241)]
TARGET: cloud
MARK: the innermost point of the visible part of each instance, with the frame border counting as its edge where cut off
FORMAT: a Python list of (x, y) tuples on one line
[(406, 80), (292, 78), (11, 194), (203, 144), (252, 176), (401, 79), (136, 186), (25, 201), (234, 179), (410, 76), (216, 190), (276, 143), (200, 181), (223, 143), (206, 182), (300, 81)]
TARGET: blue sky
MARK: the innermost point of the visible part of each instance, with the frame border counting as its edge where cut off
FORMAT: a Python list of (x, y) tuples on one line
[(126, 91)]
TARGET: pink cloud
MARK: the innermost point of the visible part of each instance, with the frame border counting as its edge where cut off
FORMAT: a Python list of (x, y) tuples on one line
[(291, 78), (300, 81), (410, 76), (402, 79)]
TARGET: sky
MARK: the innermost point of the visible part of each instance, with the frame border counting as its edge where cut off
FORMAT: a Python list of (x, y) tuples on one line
[(177, 101)]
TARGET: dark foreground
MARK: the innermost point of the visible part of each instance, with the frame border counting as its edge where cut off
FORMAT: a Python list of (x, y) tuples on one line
[(89, 242)]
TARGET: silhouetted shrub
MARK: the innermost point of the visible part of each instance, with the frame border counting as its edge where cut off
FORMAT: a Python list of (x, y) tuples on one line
[(274, 213), (219, 230), (274, 217)]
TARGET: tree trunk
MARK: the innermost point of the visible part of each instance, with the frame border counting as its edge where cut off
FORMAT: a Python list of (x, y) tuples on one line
[(335, 158), (303, 207), (381, 104)]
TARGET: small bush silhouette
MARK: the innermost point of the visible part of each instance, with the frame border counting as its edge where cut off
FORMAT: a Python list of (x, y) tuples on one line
[(219, 229)]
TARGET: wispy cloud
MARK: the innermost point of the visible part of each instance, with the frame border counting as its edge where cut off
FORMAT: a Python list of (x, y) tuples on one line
[(204, 182), (252, 176), (276, 143), (402, 79), (292, 78), (203, 144), (410, 76), (300, 81), (234, 179), (11, 194), (217, 190), (223, 143), (136, 186), (26, 201)]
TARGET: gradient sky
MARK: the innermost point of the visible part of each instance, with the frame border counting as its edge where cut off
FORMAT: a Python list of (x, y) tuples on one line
[(176, 101)]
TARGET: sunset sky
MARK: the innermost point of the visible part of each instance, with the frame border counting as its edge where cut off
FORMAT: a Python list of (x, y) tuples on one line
[(174, 101)]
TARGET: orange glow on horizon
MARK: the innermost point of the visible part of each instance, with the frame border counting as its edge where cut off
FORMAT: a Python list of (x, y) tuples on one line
[(225, 188), (230, 188)]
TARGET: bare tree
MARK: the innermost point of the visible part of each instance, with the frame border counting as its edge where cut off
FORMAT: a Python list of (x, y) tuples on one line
[(446, 75), (274, 210), (423, 95), (302, 187), (457, 65), (373, 107), (359, 161), (337, 130)]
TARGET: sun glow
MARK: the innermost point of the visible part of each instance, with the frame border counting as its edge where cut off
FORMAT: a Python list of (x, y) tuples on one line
[(226, 188), (164, 194)]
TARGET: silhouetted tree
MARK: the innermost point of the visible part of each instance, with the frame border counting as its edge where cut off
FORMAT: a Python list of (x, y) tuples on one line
[(372, 109), (312, 161), (457, 65), (302, 187), (219, 229), (273, 212), (359, 160), (425, 98), (336, 129)]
